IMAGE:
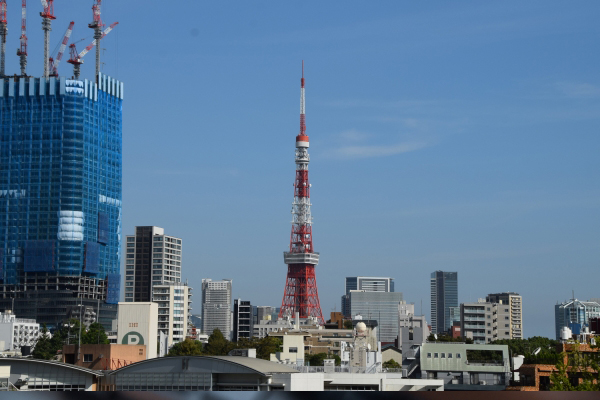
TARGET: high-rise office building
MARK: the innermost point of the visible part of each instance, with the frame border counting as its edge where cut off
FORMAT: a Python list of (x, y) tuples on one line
[(216, 306), (508, 303), (444, 295), (60, 196), (152, 258), (574, 314), (379, 306), (243, 325), (366, 283)]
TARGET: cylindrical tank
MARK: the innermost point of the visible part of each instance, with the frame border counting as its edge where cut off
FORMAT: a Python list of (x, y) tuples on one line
[(565, 333)]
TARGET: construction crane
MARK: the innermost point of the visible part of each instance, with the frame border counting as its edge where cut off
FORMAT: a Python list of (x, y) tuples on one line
[(77, 59), (3, 32), (47, 17), (22, 51), (97, 26), (63, 46)]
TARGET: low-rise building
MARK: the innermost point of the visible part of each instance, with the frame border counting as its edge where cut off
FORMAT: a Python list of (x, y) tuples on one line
[(459, 366), (103, 356), (17, 332), (486, 322)]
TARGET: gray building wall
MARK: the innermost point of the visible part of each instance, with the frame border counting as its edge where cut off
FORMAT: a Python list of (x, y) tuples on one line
[(444, 295), (216, 307), (379, 306)]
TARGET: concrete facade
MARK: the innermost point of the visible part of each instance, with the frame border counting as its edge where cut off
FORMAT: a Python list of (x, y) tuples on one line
[(485, 322), (174, 310), (151, 258), (17, 332), (137, 324), (216, 307), (511, 303), (449, 361), (103, 356)]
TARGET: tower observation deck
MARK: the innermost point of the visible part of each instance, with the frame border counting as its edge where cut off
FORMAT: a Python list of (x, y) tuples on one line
[(301, 294)]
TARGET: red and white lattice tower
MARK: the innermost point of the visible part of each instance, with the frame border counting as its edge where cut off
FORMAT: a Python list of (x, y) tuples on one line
[(301, 294)]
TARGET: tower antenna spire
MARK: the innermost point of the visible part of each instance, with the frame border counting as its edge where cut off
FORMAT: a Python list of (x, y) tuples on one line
[(300, 294)]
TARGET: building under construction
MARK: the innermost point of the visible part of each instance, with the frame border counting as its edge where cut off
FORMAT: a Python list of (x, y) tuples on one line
[(60, 183)]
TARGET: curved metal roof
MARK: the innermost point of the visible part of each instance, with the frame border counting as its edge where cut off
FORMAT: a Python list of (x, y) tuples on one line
[(5, 361), (212, 364)]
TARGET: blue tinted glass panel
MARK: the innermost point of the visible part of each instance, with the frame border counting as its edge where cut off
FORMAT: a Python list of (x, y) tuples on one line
[(92, 254), (1, 262), (103, 227), (113, 283), (39, 255)]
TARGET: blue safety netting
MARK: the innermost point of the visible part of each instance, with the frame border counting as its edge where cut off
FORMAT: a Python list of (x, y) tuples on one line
[(103, 227), (113, 289), (39, 255), (92, 254)]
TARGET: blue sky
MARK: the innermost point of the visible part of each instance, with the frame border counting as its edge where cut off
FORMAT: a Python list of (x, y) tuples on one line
[(457, 136)]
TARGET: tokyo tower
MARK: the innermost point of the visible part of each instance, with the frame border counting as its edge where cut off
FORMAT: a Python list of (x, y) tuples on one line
[(301, 294)]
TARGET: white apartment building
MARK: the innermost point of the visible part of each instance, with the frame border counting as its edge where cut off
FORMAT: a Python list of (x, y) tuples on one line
[(151, 258), (17, 332), (511, 303), (216, 306), (174, 310)]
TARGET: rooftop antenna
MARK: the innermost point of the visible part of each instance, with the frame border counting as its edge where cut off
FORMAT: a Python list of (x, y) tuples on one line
[(47, 17), (3, 32), (22, 51), (97, 26)]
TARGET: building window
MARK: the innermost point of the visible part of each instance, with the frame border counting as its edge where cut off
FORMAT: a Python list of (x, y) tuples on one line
[(131, 239), (506, 325), (457, 355), (488, 324), (488, 317), (293, 350), (443, 355), (436, 355), (88, 357), (428, 355), (506, 318), (506, 310), (449, 355)]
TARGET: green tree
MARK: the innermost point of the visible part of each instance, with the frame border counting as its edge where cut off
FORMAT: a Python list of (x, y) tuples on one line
[(579, 366), (95, 335), (43, 347), (348, 324), (391, 364), (267, 346), (218, 345), (316, 360), (188, 347)]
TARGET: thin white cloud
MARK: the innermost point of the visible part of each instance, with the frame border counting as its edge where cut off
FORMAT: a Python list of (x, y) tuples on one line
[(578, 90), (378, 151)]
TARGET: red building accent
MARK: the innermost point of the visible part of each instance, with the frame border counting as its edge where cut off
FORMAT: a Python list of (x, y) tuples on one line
[(301, 294)]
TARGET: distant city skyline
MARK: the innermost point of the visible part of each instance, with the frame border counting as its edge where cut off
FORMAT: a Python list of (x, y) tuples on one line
[(452, 136)]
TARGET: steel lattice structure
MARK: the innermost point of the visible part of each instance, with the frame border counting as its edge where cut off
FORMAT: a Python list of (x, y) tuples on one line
[(301, 294)]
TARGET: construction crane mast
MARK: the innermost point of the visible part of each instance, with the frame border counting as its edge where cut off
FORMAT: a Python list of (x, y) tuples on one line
[(47, 17), (22, 51), (54, 63), (97, 26), (77, 59), (3, 32)]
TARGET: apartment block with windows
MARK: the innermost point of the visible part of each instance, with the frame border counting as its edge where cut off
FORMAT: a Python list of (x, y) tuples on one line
[(485, 322), (512, 303), (174, 310), (216, 307), (152, 258)]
